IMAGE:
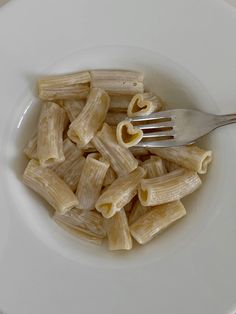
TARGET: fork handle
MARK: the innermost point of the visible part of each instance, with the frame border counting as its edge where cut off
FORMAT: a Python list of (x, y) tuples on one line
[(221, 120)]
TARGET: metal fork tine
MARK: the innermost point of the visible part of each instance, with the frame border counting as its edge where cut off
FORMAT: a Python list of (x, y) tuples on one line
[(159, 134), (164, 143), (158, 125), (153, 116)]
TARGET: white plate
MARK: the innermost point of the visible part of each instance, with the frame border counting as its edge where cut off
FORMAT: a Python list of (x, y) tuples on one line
[(189, 58)]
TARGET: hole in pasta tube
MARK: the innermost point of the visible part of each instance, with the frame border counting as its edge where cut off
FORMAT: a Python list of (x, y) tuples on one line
[(126, 136), (106, 208), (143, 195)]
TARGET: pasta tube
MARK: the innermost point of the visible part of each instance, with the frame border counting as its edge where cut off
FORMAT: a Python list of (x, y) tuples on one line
[(119, 193), (144, 104), (156, 220), (128, 135), (169, 187), (113, 118), (60, 87), (120, 158), (91, 181), (190, 157), (86, 221), (118, 82), (139, 151), (84, 127), (120, 103), (73, 108), (118, 233), (50, 134), (110, 177), (50, 186), (30, 149), (155, 167), (70, 169), (137, 211), (170, 166)]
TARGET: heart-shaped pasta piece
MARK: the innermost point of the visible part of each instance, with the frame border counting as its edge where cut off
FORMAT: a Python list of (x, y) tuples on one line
[(144, 104), (128, 135)]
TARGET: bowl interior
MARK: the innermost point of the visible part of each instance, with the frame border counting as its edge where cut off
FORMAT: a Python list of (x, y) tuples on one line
[(180, 90)]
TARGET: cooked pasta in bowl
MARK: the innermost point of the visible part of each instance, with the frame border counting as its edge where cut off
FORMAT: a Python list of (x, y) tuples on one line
[(84, 163)]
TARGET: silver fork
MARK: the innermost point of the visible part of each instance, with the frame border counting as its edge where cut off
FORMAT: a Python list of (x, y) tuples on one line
[(178, 127)]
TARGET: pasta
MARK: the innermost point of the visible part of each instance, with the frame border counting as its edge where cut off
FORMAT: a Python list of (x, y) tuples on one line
[(190, 157), (73, 108), (127, 135), (155, 167), (30, 149), (50, 186), (50, 134), (118, 82), (84, 162), (144, 104), (137, 211), (70, 169), (91, 181), (119, 193), (156, 221), (120, 158), (119, 103), (89, 222), (118, 233), (169, 187), (87, 123), (69, 86)]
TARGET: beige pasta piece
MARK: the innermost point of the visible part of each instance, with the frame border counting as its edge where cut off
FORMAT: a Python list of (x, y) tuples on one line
[(156, 220), (87, 123), (50, 134), (144, 104), (137, 211), (60, 87), (118, 82), (120, 103), (86, 236), (119, 193), (120, 158), (113, 118), (30, 149), (190, 157), (169, 187), (73, 108), (110, 177), (86, 221), (127, 135), (155, 167), (118, 233), (171, 166), (71, 168), (50, 186), (91, 181), (139, 151)]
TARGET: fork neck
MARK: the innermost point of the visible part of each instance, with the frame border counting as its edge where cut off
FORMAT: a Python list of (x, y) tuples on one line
[(221, 120)]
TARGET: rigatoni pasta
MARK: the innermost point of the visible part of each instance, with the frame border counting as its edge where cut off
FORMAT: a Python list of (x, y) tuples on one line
[(144, 104), (84, 162), (69, 86), (119, 193), (87, 123), (50, 134), (91, 181), (169, 187), (191, 157), (118, 233), (156, 221), (118, 82), (50, 186), (127, 135), (120, 158)]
